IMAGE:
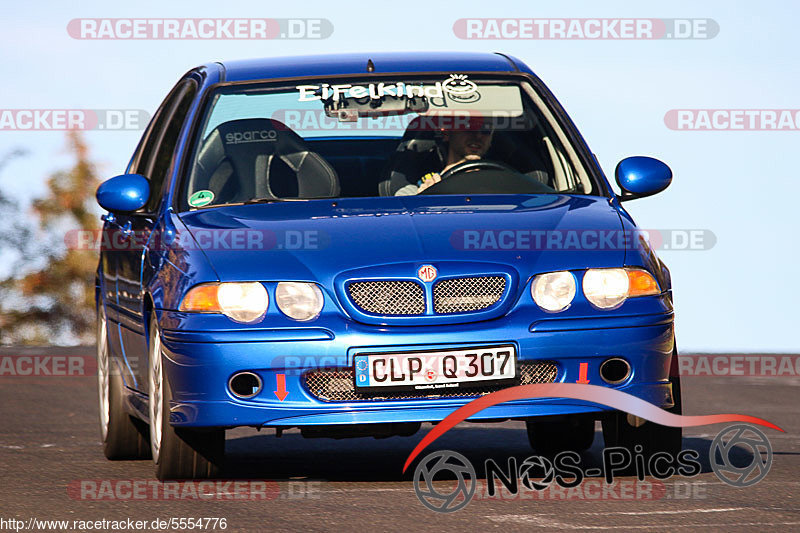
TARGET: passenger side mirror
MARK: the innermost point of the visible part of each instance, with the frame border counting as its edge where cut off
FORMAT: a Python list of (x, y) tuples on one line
[(641, 176)]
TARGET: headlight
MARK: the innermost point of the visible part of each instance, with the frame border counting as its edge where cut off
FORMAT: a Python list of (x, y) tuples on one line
[(242, 302), (300, 301), (608, 288), (553, 291), (605, 288)]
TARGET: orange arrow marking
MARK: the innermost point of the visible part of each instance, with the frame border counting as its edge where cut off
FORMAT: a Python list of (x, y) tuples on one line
[(281, 393), (583, 372)]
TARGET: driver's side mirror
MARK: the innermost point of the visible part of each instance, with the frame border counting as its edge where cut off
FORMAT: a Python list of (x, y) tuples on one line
[(124, 193), (641, 176)]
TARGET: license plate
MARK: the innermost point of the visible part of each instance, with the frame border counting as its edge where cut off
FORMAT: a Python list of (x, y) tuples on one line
[(430, 370)]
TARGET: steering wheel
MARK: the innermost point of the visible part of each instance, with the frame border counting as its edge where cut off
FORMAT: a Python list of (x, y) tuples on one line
[(491, 177), (477, 164)]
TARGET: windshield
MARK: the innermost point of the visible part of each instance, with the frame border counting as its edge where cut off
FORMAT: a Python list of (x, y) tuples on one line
[(338, 138)]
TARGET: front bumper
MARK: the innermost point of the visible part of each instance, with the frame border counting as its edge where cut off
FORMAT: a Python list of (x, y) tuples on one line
[(199, 362)]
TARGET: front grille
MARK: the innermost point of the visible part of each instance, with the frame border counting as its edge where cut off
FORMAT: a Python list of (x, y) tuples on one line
[(464, 295), (337, 384), (388, 297), (450, 296)]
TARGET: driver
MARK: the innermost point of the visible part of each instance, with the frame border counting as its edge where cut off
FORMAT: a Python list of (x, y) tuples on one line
[(468, 144)]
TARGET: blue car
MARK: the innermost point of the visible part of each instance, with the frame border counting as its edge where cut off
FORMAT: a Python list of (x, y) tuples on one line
[(356, 245)]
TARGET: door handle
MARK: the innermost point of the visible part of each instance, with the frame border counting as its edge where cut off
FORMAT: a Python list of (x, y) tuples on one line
[(125, 230)]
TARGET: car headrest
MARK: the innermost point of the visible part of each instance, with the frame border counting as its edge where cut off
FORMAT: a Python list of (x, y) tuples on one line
[(419, 151), (261, 158)]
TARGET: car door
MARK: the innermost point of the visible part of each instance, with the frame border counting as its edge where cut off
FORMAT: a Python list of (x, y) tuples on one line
[(116, 240), (154, 162)]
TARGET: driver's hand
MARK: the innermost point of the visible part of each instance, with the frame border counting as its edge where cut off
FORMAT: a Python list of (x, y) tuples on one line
[(427, 180)]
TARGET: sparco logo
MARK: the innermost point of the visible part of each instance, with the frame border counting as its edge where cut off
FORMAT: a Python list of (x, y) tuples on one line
[(255, 136)]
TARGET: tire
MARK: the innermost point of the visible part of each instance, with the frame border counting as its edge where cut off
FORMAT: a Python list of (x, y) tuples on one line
[(178, 453), (123, 436), (653, 438), (575, 433)]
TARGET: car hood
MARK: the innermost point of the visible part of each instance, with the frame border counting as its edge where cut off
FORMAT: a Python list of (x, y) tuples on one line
[(317, 240)]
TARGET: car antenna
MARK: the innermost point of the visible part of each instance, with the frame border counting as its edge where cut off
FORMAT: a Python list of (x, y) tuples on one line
[(370, 66)]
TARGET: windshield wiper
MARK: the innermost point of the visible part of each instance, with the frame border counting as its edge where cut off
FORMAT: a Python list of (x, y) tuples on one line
[(246, 202), (272, 200), (264, 200)]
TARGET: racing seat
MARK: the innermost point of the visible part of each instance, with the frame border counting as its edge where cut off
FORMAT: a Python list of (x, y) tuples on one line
[(516, 151), (419, 151), (260, 158)]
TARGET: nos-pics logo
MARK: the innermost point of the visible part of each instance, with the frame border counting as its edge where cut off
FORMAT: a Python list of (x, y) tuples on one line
[(448, 464)]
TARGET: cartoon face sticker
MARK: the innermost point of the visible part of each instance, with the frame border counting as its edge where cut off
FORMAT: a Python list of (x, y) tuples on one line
[(458, 85)]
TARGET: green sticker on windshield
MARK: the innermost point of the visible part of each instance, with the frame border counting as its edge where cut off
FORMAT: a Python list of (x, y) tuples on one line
[(201, 198)]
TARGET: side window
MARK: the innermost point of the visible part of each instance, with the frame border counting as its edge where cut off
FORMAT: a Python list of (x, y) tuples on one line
[(162, 161), (148, 143), (155, 157)]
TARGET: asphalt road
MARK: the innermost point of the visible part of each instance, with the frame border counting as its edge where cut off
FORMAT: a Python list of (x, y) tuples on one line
[(53, 469)]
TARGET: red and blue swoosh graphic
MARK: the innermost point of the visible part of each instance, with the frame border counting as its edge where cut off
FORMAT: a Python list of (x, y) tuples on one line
[(612, 398)]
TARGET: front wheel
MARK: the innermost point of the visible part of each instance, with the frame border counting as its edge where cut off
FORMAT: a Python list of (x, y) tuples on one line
[(645, 437), (575, 433), (179, 453), (123, 436)]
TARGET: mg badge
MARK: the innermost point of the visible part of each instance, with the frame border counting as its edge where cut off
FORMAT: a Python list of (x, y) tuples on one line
[(427, 273)]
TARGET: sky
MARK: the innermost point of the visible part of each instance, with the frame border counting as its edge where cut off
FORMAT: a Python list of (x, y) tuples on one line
[(740, 295)]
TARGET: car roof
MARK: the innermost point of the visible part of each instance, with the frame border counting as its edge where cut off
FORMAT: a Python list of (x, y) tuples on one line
[(356, 63)]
